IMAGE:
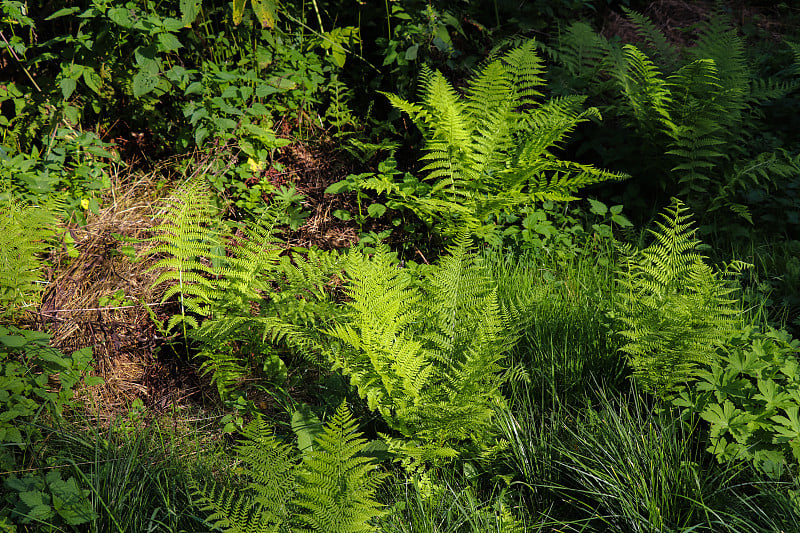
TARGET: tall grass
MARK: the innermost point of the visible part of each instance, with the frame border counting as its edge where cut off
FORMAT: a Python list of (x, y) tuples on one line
[(136, 475)]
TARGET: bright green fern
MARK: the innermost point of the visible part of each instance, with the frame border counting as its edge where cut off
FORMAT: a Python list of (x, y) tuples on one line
[(427, 354), (674, 309), (26, 232), (188, 240), (244, 302), (337, 485), (331, 490), (491, 150)]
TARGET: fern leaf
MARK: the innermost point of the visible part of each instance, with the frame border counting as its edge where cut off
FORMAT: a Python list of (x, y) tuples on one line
[(336, 486), (26, 233), (189, 235), (655, 42)]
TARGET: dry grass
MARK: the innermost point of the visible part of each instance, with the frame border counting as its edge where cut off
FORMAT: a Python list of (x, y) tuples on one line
[(124, 338)]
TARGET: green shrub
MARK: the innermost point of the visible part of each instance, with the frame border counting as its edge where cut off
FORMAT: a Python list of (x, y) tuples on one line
[(36, 386)]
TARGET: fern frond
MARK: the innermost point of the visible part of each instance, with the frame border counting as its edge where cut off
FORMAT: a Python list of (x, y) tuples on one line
[(674, 308), (189, 235), (720, 43), (264, 505), (655, 42), (26, 233), (473, 145), (581, 50), (336, 486), (647, 92), (526, 69), (413, 348)]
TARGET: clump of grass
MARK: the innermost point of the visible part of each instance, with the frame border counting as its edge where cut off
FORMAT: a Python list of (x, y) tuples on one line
[(135, 474)]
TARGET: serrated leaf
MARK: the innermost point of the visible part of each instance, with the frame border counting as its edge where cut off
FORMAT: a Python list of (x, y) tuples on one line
[(143, 83), (120, 16), (376, 210), (168, 42), (189, 11), (92, 79), (598, 208), (68, 86)]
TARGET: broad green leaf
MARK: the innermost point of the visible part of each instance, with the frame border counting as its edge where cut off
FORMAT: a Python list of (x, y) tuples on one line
[(189, 11), (63, 12), (307, 426), (376, 210), (597, 207), (171, 24), (121, 16), (68, 86), (92, 79), (168, 42), (143, 83), (70, 502), (266, 11), (13, 341)]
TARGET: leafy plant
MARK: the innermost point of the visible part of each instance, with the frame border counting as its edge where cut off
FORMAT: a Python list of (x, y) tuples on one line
[(187, 233), (490, 152), (750, 395), (332, 488), (37, 385), (673, 307), (26, 391), (702, 114), (50, 499), (238, 297)]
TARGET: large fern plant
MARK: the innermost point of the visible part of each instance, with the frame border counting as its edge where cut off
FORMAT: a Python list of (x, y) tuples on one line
[(241, 301), (426, 354), (331, 489), (492, 149), (674, 309), (701, 113)]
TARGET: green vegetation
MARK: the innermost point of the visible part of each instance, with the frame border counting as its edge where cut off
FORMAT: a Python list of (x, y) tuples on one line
[(407, 266)]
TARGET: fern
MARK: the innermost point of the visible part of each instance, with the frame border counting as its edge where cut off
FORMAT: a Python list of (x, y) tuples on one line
[(337, 486), (188, 237), (271, 468), (426, 354), (655, 42), (238, 294), (488, 151), (331, 490), (674, 308), (581, 56), (26, 233)]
